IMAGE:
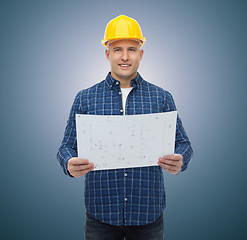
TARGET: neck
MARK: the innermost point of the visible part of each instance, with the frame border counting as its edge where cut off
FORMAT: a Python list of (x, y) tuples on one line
[(124, 82)]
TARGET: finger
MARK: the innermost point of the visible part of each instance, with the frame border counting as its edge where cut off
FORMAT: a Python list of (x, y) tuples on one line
[(169, 167), (78, 161), (172, 172), (175, 157), (80, 173), (170, 162), (83, 172), (162, 160), (81, 167), (174, 163)]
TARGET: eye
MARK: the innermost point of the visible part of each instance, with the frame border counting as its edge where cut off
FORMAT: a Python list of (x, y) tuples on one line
[(132, 49), (117, 50)]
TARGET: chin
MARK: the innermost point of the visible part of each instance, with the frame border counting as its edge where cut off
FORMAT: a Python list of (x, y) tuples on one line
[(126, 76)]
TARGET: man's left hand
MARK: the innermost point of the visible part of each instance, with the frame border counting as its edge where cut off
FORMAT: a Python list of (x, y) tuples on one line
[(171, 163)]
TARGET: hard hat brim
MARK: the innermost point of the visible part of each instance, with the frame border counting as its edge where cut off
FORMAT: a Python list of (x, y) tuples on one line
[(105, 42)]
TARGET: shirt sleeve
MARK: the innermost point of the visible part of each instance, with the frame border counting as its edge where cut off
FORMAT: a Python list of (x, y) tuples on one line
[(68, 148), (182, 142)]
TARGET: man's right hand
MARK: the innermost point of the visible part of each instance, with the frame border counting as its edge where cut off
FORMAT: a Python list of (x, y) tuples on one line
[(78, 167)]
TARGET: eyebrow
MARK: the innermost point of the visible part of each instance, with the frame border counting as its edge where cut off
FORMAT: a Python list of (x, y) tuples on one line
[(121, 48)]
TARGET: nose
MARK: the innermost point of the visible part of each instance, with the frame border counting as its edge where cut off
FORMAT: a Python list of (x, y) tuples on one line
[(125, 56)]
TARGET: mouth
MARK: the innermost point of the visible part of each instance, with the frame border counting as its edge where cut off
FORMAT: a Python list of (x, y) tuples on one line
[(124, 66)]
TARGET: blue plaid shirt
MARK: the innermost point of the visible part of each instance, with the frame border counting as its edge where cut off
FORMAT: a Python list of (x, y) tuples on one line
[(131, 196)]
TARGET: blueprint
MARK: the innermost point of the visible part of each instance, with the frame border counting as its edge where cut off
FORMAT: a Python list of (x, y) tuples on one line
[(112, 142)]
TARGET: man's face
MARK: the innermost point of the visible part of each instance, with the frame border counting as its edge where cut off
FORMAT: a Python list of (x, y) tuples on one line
[(124, 57)]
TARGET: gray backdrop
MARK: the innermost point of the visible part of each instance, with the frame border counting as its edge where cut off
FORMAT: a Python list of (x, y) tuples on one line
[(51, 49)]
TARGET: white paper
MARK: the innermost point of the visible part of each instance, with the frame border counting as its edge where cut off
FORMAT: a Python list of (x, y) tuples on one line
[(112, 142)]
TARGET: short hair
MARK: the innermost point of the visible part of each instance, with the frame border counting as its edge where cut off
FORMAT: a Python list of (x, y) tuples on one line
[(109, 42)]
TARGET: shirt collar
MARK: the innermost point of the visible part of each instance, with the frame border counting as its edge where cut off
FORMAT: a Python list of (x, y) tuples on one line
[(135, 82)]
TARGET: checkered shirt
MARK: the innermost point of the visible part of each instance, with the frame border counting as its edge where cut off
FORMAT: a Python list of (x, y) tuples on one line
[(131, 196)]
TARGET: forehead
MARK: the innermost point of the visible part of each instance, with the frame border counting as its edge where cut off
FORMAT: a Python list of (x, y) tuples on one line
[(124, 43)]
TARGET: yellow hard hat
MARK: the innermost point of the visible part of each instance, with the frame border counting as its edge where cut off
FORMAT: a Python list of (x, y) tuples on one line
[(123, 27)]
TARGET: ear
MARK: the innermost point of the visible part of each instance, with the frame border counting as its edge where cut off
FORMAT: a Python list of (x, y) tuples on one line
[(107, 54), (141, 54)]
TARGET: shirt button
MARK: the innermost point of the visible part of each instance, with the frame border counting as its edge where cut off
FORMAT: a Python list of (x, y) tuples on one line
[(120, 93), (125, 174), (117, 83), (126, 199), (121, 110)]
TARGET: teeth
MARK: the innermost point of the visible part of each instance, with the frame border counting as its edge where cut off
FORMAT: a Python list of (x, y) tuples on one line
[(124, 65)]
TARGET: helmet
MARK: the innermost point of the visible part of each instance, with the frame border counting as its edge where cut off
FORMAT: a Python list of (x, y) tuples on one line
[(123, 27)]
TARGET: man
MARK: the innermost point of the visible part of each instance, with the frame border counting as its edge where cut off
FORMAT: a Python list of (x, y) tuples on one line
[(123, 202)]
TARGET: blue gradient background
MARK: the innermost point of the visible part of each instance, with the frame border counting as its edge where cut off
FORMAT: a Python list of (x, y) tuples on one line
[(51, 49)]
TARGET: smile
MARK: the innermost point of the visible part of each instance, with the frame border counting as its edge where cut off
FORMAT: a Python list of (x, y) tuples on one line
[(124, 66)]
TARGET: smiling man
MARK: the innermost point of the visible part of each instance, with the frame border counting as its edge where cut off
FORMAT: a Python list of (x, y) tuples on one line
[(123, 203), (124, 57)]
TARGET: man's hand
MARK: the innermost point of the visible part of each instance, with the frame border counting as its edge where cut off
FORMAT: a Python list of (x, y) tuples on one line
[(171, 163), (78, 167)]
